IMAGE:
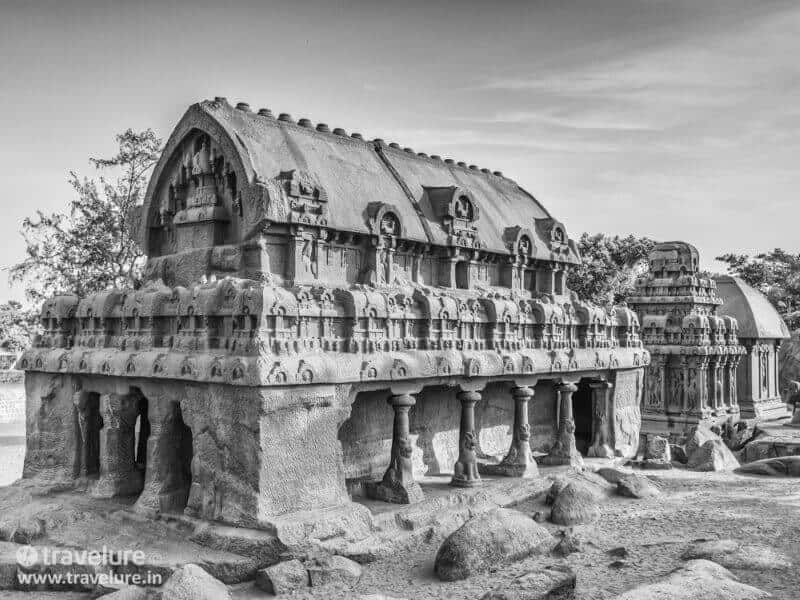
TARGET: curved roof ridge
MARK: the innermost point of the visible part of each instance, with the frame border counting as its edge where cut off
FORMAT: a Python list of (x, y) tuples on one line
[(324, 128), (757, 318)]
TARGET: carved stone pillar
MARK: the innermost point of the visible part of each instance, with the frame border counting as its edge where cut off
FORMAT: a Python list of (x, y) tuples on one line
[(398, 483), (601, 436), (564, 451), (118, 473), (519, 461), (465, 471)]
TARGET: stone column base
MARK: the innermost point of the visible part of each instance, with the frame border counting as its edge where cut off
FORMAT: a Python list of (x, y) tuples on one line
[(393, 490), (509, 469), (126, 484)]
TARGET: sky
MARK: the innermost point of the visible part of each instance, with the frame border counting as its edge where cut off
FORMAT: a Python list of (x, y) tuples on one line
[(667, 118)]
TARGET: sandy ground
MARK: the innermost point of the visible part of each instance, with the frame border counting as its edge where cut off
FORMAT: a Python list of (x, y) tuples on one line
[(654, 531)]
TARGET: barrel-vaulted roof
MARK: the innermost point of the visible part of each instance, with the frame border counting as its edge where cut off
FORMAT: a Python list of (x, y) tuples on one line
[(757, 318), (356, 173)]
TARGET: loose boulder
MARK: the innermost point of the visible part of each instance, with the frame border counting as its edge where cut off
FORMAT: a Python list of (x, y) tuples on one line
[(282, 578), (191, 582), (551, 583), (696, 579), (732, 554), (575, 504), (713, 455), (657, 454), (699, 435), (782, 466), (568, 544), (332, 569), (491, 539), (636, 486), (678, 454)]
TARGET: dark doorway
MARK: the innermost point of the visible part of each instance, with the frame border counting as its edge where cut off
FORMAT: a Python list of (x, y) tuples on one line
[(177, 439), (142, 433), (582, 413), (94, 423), (462, 275)]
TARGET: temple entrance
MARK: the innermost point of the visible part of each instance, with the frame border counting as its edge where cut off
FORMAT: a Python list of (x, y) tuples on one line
[(462, 275), (141, 433), (93, 425), (582, 413), (176, 453)]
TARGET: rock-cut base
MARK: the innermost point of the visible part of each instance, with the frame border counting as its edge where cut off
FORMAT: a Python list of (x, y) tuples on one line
[(552, 582), (394, 491)]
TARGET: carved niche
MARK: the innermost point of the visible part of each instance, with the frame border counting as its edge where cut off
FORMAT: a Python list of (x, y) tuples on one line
[(304, 198), (458, 212)]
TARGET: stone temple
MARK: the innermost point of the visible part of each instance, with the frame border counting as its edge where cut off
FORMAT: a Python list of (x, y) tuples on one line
[(761, 331), (695, 352), (324, 317)]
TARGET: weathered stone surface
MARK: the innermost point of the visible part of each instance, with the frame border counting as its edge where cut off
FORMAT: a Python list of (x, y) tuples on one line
[(283, 578), (713, 455), (568, 544), (699, 435), (494, 538), (784, 466), (575, 504), (733, 554), (131, 593), (332, 569), (678, 454), (613, 474), (696, 579), (191, 582), (551, 583), (636, 486), (21, 531)]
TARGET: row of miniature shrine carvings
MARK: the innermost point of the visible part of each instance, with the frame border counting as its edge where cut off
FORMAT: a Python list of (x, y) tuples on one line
[(336, 335)]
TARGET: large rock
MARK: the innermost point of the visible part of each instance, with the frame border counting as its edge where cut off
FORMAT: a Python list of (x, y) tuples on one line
[(551, 583), (713, 455), (282, 578), (657, 453), (784, 466), (698, 436), (491, 539), (696, 580), (575, 504), (191, 582), (635, 485), (332, 569), (733, 554)]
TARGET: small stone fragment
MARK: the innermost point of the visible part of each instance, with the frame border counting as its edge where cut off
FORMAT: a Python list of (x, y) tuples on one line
[(332, 569), (551, 583), (282, 578), (191, 582), (636, 486)]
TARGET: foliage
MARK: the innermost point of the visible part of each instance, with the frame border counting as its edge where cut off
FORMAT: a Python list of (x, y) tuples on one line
[(610, 267), (17, 326), (90, 247), (776, 274)]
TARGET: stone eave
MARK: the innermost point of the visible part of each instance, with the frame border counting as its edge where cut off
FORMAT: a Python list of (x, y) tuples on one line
[(429, 366)]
